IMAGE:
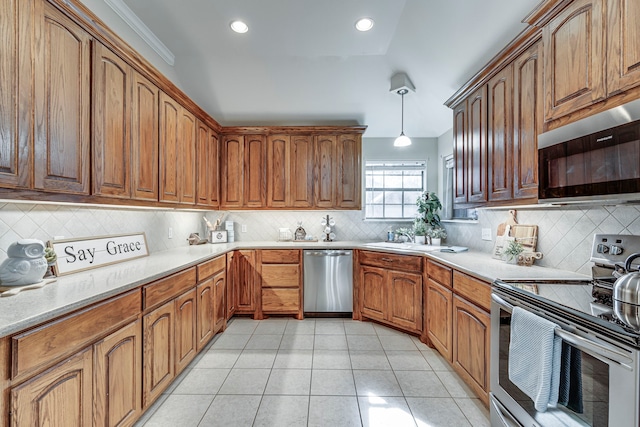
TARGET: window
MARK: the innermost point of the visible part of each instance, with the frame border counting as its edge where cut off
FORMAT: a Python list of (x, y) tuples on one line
[(392, 189)]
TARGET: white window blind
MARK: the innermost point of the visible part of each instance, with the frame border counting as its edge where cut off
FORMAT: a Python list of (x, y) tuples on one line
[(392, 188)]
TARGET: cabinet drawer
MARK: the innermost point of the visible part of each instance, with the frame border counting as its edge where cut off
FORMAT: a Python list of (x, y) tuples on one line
[(281, 256), (440, 273), (280, 276), (169, 287), (280, 300), (39, 347), (391, 261), (474, 290), (211, 267)]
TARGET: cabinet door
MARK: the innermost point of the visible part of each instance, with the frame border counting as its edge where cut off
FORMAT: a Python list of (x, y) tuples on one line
[(232, 160), (159, 353), (373, 293), (471, 327), (205, 312), (527, 113), (204, 171), (219, 308), (499, 134), (439, 309), (301, 166), (118, 377), (144, 139), (187, 163), (574, 59), (623, 45), (60, 396), (460, 154), (62, 102), (230, 295), (244, 280), (254, 189), (278, 172), (325, 171), (349, 172), (214, 170), (16, 123), (185, 329), (111, 139), (405, 300), (477, 146), (170, 115)]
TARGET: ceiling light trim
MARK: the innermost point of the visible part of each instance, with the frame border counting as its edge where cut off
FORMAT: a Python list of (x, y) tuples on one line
[(136, 24), (364, 24), (239, 26)]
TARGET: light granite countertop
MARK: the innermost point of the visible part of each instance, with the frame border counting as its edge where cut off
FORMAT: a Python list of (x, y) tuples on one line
[(72, 292)]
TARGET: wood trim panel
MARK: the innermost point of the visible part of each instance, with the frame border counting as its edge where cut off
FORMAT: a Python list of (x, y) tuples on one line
[(291, 130), (46, 344), (168, 288)]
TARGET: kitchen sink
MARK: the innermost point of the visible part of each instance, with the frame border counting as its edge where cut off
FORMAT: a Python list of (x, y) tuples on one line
[(404, 245)]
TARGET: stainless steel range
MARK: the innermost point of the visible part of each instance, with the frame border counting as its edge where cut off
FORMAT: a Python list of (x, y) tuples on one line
[(601, 354)]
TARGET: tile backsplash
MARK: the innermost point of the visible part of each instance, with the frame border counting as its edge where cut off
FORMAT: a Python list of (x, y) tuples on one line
[(564, 235)]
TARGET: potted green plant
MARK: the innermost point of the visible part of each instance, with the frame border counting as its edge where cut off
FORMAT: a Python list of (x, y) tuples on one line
[(512, 251), (420, 230), (436, 234), (428, 205)]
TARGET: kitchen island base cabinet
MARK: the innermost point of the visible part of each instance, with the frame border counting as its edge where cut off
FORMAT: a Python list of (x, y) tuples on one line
[(471, 346), (117, 395), (60, 396)]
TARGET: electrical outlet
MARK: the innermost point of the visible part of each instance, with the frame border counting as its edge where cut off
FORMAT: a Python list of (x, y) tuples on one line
[(486, 234), (171, 232), (244, 228)]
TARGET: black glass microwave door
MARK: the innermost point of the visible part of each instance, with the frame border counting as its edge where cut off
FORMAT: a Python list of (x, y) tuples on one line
[(589, 400), (591, 166)]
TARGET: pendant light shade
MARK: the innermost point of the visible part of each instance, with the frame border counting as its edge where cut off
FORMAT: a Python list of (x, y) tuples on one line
[(402, 140)]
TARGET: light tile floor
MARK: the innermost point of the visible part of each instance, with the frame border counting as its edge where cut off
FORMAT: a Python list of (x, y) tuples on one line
[(316, 372)]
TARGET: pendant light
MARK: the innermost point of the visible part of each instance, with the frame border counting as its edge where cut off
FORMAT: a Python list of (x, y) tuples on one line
[(402, 140)]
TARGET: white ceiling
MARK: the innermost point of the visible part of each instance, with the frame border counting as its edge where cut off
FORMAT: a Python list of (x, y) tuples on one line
[(303, 63)]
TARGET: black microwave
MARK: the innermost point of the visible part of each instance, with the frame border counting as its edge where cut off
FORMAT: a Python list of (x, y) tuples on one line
[(601, 166)]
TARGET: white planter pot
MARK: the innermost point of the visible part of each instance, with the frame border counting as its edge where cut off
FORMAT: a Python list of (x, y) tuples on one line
[(436, 241), (420, 240)]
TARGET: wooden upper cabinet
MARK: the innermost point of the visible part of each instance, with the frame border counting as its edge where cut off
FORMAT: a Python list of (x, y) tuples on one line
[(301, 167), (254, 188), (574, 58), (144, 139), (477, 146), (232, 160), (349, 172), (207, 150), (170, 115), (111, 139), (62, 100), (278, 171), (623, 45), (460, 153), (325, 171), (499, 134), (16, 136), (187, 163), (527, 114)]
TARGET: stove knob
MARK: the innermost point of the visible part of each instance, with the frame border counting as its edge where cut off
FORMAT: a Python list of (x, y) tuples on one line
[(616, 250), (602, 249)]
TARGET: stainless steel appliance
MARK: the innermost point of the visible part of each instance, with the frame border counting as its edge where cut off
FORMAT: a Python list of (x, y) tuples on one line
[(328, 281), (593, 159), (606, 371)]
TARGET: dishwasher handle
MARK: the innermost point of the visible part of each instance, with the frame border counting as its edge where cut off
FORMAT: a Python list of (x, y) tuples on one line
[(327, 253)]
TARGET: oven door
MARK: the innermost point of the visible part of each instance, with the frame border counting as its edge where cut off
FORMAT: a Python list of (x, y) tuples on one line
[(607, 396)]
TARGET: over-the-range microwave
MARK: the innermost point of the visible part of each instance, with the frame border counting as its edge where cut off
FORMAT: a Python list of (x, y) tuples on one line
[(596, 159)]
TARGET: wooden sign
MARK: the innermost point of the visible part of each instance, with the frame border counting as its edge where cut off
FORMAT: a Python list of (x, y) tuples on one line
[(91, 252)]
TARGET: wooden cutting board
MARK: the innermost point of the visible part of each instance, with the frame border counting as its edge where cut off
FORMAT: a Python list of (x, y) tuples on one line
[(502, 233)]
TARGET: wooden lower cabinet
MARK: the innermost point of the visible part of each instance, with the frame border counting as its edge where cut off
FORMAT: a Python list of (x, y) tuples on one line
[(439, 317), (471, 354), (405, 300), (241, 266), (60, 396), (117, 370), (280, 282), (205, 308), (159, 367), (185, 329), (219, 305), (372, 283)]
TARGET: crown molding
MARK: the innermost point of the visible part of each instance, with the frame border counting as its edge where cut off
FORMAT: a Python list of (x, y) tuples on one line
[(141, 29)]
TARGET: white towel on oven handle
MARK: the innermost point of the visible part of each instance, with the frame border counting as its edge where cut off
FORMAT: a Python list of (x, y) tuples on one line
[(534, 358)]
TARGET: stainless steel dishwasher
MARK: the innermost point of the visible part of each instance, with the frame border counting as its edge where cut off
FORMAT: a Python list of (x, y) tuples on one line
[(328, 281)]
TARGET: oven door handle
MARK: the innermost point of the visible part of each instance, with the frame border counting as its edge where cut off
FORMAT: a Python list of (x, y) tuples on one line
[(506, 418), (601, 351)]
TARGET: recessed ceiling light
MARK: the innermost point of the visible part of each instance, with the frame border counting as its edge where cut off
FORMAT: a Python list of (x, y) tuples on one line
[(364, 24), (239, 27)]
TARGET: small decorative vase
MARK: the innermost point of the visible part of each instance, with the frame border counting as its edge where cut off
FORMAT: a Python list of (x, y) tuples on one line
[(420, 240), (435, 241)]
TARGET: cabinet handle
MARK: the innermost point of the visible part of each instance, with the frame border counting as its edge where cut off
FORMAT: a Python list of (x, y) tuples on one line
[(387, 259)]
